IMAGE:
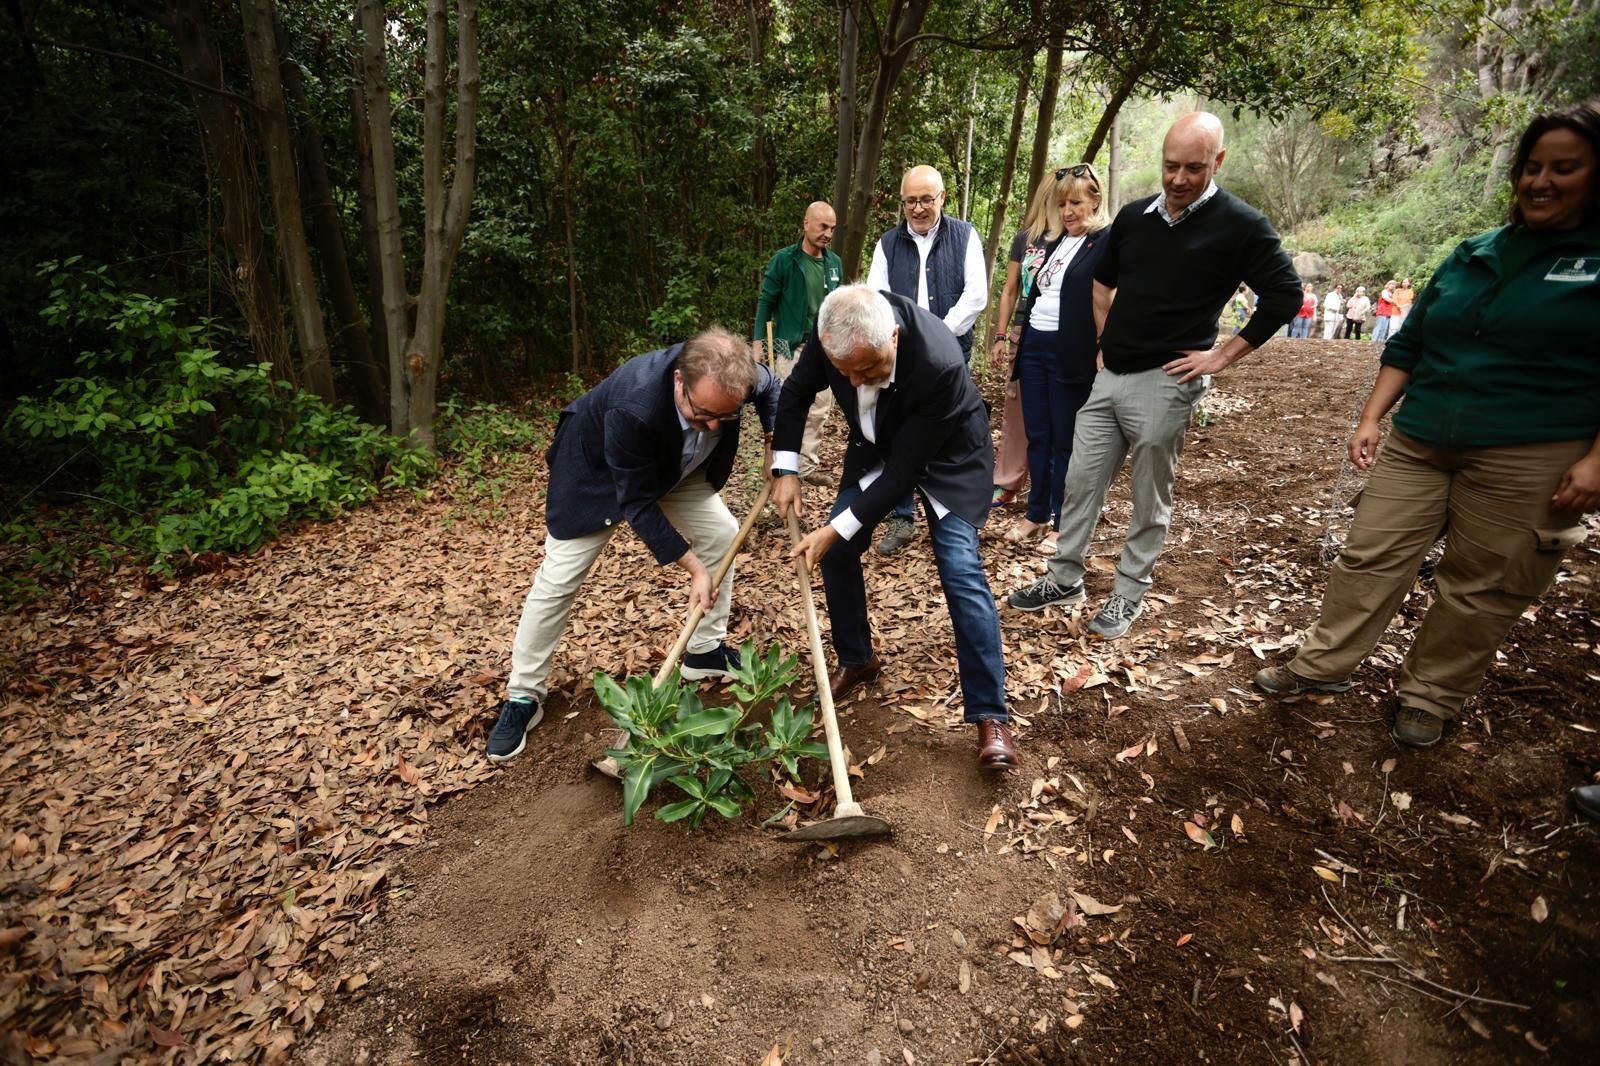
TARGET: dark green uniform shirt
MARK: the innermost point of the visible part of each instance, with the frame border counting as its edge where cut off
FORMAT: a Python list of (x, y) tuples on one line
[(1503, 346)]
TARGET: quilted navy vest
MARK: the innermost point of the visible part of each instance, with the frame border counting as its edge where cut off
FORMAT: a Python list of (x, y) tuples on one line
[(947, 267)]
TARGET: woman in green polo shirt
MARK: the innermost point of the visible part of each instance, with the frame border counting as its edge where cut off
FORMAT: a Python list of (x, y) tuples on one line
[(1495, 445)]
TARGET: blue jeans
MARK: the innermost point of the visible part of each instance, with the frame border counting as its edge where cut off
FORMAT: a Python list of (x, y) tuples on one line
[(967, 594), (1300, 327), (1380, 332), (1048, 409)]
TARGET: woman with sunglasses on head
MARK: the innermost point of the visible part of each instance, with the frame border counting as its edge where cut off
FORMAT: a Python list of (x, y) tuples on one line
[(1497, 445), (1054, 261)]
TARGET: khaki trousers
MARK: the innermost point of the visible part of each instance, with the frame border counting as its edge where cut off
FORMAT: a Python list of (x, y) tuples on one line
[(695, 510), (783, 365), (1503, 546), (1141, 417)]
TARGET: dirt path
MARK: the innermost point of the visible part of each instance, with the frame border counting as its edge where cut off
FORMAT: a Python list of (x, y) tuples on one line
[(523, 923)]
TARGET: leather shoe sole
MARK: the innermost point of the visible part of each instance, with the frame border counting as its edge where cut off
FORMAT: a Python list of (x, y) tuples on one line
[(842, 680)]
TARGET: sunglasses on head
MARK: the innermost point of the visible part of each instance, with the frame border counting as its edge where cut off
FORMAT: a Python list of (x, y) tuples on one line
[(1077, 170)]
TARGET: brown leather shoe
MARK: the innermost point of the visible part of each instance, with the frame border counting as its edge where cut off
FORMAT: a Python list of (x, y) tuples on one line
[(842, 680), (996, 751)]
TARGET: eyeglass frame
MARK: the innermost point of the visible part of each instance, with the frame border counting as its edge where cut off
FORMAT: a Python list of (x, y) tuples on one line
[(700, 412), (908, 202)]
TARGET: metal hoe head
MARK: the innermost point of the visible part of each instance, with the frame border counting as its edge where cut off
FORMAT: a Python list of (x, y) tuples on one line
[(840, 828), (847, 822)]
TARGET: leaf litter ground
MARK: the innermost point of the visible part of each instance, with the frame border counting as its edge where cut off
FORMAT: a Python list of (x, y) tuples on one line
[(225, 836)]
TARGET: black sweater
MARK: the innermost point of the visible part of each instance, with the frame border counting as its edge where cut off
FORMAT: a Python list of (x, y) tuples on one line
[(1172, 282)]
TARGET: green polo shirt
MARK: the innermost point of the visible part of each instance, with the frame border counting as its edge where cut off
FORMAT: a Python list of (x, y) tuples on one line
[(1503, 346)]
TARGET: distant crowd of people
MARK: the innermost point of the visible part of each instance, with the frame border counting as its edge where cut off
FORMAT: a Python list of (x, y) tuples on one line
[(1342, 317)]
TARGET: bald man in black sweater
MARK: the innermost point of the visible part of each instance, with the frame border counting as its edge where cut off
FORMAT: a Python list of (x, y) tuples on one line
[(1171, 263)]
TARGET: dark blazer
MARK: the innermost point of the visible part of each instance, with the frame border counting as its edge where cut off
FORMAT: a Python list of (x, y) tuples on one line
[(932, 429), (619, 448), (1076, 343)]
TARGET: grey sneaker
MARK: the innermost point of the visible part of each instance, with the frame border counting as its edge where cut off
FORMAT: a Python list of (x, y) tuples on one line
[(901, 532), (1043, 593), (1282, 681), (1115, 617), (1416, 728), (510, 733), (720, 661)]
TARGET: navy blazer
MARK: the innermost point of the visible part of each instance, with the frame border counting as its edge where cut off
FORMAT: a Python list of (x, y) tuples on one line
[(931, 425), (1076, 343), (619, 448)]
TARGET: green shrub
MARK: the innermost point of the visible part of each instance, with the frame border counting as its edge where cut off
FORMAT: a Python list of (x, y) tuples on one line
[(700, 750), (180, 450)]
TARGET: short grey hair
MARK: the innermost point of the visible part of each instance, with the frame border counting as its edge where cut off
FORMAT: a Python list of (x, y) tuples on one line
[(720, 356), (853, 317)]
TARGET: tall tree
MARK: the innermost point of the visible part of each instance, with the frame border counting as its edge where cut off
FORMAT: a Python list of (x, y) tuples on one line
[(897, 43), (1044, 124), (849, 49), (227, 145), (416, 341), (997, 223), (316, 366)]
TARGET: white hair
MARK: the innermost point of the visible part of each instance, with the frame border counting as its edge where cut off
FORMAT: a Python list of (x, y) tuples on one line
[(853, 317)]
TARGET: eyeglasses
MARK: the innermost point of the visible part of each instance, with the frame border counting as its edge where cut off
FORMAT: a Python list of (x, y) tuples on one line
[(700, 412), (918, 201), (1077, 170)]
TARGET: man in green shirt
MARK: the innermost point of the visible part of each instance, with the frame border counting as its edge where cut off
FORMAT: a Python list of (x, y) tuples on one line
[(797, 279)]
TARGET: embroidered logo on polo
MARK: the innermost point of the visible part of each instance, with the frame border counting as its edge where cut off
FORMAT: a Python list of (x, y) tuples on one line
[(1585, 269)]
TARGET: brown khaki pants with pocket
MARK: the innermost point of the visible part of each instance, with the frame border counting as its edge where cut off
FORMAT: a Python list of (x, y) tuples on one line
[(1503, 546)]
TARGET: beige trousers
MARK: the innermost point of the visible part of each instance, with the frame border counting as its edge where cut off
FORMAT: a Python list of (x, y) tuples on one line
[(783, 365), (695, 510), (1503, 546)]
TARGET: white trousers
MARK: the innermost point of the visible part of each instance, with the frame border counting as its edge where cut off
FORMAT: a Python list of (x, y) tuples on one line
[(694, 508)]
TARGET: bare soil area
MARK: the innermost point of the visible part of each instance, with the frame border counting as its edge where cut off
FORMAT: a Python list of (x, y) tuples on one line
[(1180, 871)]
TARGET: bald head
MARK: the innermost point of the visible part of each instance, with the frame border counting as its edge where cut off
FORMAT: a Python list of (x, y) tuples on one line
[(817, 228), (1191, 155), (922, 195)]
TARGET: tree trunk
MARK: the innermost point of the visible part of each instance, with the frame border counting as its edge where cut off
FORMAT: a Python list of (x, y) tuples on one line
[(378, 336), (849, 47), (966, 165), (416, 351), (1009, 172), (762, 172), (390, 263), (904, 22), (1113, 108), (315, 365), (1114, 167), (327, 232), (445, 207), (250, 276), (1046, 121)]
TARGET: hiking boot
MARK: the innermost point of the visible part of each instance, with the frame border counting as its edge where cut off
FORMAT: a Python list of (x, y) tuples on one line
[(900, 532), (1416, 728), (1043, 593), (1585, 799), (510, 734), (1282, 681), (720, 661), (1115, 617)]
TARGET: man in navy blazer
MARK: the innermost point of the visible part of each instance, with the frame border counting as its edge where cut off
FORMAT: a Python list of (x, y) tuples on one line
[(916, 423), (651, 445)]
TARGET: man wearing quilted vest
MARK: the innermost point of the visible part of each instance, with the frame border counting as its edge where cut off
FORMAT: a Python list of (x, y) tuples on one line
[(937, 261)]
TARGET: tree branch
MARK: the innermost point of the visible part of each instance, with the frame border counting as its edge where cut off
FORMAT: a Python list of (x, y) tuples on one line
[(106, 53)]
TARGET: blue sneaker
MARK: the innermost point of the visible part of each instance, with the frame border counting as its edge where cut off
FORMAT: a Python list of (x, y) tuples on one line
[(510, 733), (718, 662)]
